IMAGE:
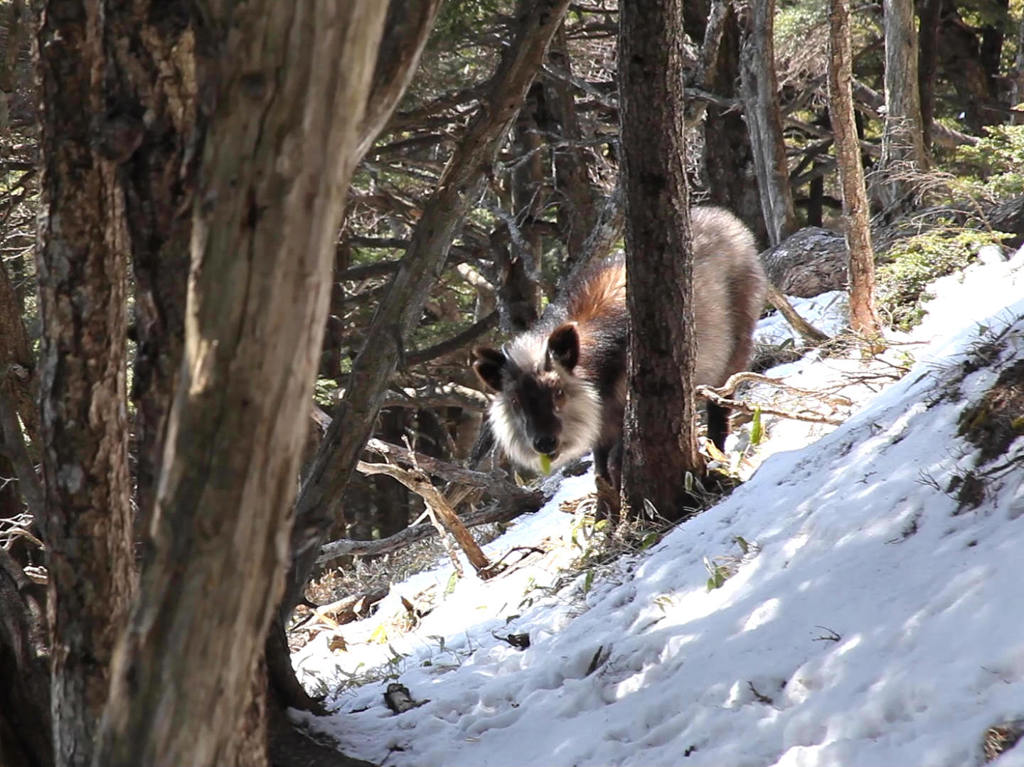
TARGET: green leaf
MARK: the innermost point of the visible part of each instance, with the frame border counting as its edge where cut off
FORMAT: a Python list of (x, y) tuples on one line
[(545, 463), (649, 540), (756, 429)]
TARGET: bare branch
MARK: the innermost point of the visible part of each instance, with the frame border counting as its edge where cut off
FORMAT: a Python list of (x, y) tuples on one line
[(436, 395), (441, 513), (748, 407), (729, 387), (454, 343), (346, 546), (807, 331)]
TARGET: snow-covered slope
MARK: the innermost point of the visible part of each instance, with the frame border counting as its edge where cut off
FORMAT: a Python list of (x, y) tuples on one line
[(875, 620)]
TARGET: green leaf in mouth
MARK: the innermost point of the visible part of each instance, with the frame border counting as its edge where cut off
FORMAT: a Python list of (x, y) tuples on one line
[(545, 463)]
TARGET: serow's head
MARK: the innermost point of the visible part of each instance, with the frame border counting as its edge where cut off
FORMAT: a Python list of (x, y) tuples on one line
[(542, 413)]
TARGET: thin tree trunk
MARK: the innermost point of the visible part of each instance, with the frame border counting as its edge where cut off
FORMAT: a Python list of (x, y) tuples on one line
[(927, 64), (851, 174), (17, 27), (760, 87), (575, 195), (903, 152), (17, 363), (1017, 78), (661, 438), (82, 265), (292, 81), (521, 244)]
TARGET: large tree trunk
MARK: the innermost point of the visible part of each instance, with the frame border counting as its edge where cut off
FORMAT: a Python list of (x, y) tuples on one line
[(760, 87), (82, 264), (291, 82), (903, 152), (661, 439), (856, 214), (457, 191)]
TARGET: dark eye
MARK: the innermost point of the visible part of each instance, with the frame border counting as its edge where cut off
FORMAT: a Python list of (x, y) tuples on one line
[(559, 393)]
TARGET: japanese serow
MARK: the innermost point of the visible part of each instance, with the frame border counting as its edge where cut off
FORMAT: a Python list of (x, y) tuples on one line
[(560, 388)]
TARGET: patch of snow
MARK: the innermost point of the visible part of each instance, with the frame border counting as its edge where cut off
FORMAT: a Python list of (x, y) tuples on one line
[(827, 312), (874, 623)]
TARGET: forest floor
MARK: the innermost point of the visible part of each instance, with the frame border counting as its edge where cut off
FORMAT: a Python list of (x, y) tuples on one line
[(856, 601)]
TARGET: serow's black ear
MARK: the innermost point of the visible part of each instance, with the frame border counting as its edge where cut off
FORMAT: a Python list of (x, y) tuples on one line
[(564, 345), (488, 365)]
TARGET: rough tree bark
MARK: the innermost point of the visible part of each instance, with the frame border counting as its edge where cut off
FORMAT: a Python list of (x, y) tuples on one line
[(268, 208), (458, 189), (25, 727), (856, 214), (82, 265), (660, 439), (759, 86), (903, 152), (151, 91), (408, 26)]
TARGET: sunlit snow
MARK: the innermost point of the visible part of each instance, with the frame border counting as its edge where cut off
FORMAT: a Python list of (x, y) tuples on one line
[(871, 623)]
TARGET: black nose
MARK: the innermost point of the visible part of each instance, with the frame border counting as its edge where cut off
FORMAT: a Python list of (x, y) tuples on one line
[(545, 444)]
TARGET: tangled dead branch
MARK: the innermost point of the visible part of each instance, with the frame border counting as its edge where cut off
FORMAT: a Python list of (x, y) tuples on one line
[(414, 470), (441, 514), (722, 395)]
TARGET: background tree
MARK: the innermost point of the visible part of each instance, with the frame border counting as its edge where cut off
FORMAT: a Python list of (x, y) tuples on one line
[(1017, 78), (727, 159), (903, 151), (764, 122), (661, 440), (851, 174)]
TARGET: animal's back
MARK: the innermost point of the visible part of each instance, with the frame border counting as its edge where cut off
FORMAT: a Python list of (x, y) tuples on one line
[(600, 295), (597, 304), (729, 293)]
